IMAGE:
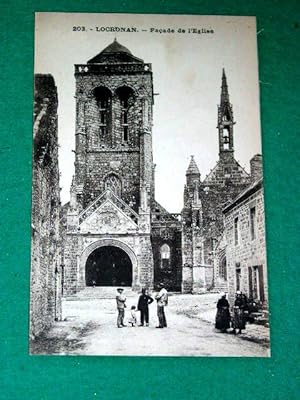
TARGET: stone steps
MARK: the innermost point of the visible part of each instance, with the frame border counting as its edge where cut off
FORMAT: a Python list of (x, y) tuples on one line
[(220, 287), (100, 292)]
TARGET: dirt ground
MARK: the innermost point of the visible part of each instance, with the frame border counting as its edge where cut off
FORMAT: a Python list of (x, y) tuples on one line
[(89, 328)]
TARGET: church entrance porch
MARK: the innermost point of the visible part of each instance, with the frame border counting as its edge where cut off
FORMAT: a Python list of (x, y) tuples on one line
[(108, 266)]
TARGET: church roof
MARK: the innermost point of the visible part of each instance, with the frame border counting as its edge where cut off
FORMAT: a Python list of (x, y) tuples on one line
[(237, 173), (114, 53), (193, 168)]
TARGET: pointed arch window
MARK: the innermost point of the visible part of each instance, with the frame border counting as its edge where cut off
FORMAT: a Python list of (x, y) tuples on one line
[(113, 182), (226, 139), (126, 96), (165, 252), (103, 99)]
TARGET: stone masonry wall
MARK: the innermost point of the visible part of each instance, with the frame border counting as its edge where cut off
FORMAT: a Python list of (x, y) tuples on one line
[(248, 252), (45, 296), (97, 156), (76, 256)]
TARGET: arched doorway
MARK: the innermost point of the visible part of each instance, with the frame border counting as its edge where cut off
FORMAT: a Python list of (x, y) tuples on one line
[(108, 266)]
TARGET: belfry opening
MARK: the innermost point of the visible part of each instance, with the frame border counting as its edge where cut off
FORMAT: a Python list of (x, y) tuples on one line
[(108, 266)]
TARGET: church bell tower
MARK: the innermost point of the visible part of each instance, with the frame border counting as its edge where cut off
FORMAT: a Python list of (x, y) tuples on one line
[(114, 98), (225, 122), (109, 216)]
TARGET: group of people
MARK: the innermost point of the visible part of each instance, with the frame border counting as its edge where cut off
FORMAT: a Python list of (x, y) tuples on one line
[(238, 319), (143, 306), (224, 320)]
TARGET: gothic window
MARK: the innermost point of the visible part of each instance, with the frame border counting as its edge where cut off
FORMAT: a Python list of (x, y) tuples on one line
[(113, 183), (165, 256), (103, 98), (226, 140), (227, 172), (126, 96)]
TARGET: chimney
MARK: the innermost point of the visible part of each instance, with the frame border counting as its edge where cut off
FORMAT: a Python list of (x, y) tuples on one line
[(256, 167)]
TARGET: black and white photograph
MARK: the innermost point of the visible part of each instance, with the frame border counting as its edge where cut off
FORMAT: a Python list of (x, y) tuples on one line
[(148, 220)]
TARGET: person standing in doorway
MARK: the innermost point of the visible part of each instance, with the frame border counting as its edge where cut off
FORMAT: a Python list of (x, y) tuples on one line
[(121, 305), (143, 307), (162, 302)]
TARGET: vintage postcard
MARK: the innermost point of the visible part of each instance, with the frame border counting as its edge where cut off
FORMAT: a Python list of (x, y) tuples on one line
[(148, 226)]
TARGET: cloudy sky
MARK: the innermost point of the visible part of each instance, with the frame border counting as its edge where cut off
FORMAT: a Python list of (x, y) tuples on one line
[(187, 70)]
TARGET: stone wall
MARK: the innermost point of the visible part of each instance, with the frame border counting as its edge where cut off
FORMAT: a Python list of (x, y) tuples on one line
[(99, 155), (45, 297), (246, 255)]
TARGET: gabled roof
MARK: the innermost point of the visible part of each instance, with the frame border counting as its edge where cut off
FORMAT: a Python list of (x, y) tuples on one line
[(114, 53), (108, 194), (213, 176)]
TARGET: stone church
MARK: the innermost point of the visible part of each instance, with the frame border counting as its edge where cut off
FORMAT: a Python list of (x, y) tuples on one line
[(115, 232)]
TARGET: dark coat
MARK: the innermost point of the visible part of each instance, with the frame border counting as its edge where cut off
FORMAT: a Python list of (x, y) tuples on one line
[(223, 314), (144, 301)]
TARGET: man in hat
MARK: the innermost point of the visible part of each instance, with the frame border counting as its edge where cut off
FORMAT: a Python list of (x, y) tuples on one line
[(121, 305), (162, 301)]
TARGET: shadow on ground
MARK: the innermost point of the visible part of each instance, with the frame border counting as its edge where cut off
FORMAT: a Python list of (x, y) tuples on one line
[(67, 340)]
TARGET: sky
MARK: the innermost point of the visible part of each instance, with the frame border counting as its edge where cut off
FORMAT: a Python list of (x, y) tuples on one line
[(187, 70)]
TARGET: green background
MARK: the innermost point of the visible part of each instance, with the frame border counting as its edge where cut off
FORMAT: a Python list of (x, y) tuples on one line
[(62, 378)]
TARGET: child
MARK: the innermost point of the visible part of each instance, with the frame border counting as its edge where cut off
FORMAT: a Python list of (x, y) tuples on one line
[(132, 319)]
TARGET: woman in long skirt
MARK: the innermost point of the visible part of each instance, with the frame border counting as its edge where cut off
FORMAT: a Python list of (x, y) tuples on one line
[(239, 319), (223, 314)]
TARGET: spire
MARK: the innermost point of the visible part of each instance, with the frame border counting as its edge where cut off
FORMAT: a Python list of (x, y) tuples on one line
[(225, 121), (224, 89), (192, 175), (192, 168)]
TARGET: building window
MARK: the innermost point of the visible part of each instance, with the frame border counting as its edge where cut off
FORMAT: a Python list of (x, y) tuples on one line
[(238, 276), (103, 98), (126, 96), (113, 183), (258, 283), (236, 231), (227, 171), (165, 256), (226, 140), (253, 223), (223, 269)]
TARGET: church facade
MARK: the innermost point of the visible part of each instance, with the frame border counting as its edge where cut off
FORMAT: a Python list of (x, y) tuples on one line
[(114, 225), (115, 232)]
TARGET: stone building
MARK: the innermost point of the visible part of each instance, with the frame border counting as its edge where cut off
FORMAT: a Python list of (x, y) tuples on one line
[(116, 233), (203, 244), (244, 220), (45, 298)]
